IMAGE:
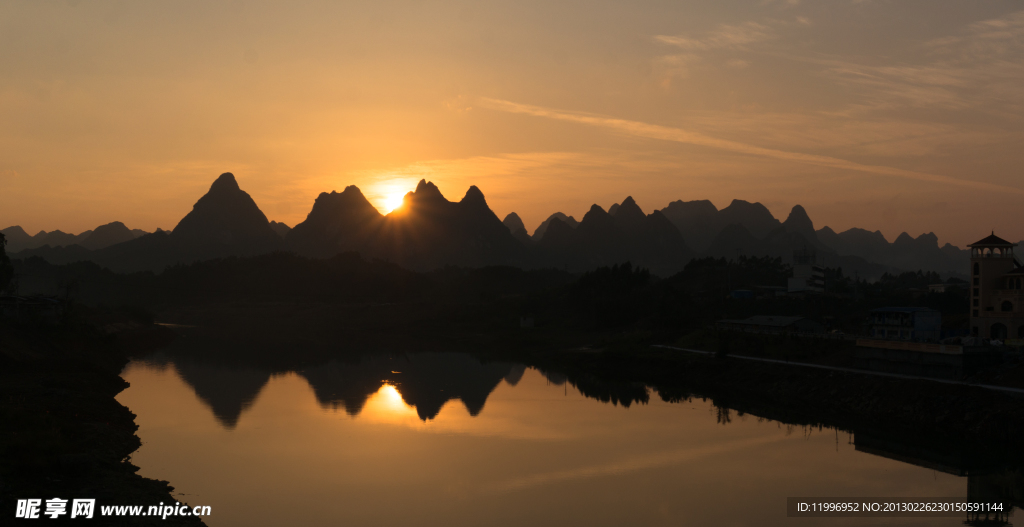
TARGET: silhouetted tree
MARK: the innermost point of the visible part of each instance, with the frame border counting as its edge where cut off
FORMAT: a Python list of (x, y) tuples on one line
[(612, 296), (6, 269)]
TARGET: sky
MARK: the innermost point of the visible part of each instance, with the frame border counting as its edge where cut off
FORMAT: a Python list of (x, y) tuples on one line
[(880, 114)]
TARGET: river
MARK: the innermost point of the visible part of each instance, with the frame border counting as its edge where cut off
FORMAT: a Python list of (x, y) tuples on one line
[(439, 439)]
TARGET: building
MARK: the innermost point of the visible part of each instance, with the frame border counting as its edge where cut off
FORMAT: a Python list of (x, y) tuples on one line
[(997, 290), (906, 323), (768, 324), (807, 276)]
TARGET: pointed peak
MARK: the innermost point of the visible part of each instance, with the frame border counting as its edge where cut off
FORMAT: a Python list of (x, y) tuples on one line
[(473, 195), (629, 213), (630, 206), (425, 186), (353, 190), (903, 238), (513, 222), (426, 189), (225, 183), (797, 214)]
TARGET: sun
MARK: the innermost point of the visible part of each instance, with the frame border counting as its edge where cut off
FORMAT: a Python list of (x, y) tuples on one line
[(388, 192), (393, 201)]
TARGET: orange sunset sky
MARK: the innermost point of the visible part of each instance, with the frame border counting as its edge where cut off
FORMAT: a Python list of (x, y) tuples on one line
[(881, 114)]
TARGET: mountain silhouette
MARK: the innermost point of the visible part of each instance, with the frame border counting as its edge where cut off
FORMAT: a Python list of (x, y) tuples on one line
[(107, 235), (280, 228), (348, 385), (516, 227), (17, 239), (55, 241), (515, 374), (800, 223), (734, 241), (601, 239), (223, 222), (226, 220), (755, 217), (428, 232), (429, 380), (569, 221), (338, 222), (425, 381), (905, 252), (700, 222), (227, 390)]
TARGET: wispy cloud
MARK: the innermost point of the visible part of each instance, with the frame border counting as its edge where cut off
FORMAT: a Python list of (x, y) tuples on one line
[(726, 39), (725, 36), (680, 135), (979, 66)]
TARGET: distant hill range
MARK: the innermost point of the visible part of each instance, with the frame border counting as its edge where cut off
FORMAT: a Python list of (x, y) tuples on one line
[(98, 238), (428, 231)]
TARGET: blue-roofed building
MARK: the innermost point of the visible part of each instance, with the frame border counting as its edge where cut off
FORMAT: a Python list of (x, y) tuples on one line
[(906, 323)]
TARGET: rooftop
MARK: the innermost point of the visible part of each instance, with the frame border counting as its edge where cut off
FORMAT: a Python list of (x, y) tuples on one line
[(992, 241)]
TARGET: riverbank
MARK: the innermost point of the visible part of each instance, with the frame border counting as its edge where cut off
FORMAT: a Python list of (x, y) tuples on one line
[(64, 434)]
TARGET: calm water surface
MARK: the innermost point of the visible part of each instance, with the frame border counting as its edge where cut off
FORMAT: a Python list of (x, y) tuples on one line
[(440, 439)]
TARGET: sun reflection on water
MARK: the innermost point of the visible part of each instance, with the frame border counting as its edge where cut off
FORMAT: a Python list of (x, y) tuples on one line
[(387, 405)]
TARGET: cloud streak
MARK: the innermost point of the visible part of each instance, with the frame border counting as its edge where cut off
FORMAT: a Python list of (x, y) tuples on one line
[(679, 135), (725, 36), (978, 67)]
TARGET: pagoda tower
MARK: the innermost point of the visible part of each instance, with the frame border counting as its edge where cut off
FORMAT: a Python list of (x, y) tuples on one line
[(997, 297)]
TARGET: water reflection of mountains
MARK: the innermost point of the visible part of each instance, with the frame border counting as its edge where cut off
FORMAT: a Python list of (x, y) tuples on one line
[(426, 381)]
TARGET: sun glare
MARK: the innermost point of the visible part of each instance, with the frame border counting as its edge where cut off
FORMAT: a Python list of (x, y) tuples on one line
[(388, 192), (393, 201), (387, 405), (391, 398)]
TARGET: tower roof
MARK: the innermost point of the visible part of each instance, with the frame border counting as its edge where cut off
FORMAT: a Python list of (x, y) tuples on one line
[(992, 241)]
